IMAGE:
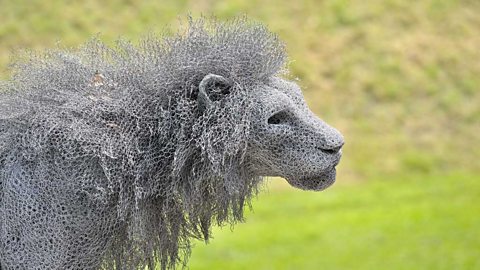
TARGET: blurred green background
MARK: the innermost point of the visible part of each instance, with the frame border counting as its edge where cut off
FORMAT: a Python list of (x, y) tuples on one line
[(400, 79)]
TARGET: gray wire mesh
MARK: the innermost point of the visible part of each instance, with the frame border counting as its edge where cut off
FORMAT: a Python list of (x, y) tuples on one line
[(107, 160)]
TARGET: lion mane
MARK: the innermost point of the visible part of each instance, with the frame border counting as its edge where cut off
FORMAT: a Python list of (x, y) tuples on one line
[(108, 144)]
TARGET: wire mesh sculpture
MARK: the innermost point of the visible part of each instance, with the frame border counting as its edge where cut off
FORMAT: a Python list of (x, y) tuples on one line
[(115, 158)]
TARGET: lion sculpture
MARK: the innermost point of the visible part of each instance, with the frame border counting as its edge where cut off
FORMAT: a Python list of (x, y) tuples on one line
[(115, 158)]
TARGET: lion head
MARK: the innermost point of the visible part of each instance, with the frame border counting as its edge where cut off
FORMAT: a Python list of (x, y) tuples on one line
[(286, 138)]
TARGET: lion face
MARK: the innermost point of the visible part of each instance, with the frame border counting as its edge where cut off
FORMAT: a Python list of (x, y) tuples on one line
[(289, 141), (286, 139)]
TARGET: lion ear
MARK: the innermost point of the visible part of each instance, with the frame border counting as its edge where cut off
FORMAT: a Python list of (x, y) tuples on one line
[(212, 88)]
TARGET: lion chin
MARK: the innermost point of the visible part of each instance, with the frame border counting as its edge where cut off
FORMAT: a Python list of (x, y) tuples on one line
[(317, 182)]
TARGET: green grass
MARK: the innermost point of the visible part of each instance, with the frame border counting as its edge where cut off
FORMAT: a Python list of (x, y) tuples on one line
[(399, 223), (400, 79)]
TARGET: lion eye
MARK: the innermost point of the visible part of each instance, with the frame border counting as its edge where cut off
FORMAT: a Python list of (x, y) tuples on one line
[(278, 118)]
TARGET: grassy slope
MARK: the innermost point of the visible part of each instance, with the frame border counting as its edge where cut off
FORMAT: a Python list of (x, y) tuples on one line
[(403, 223), (398, 78)]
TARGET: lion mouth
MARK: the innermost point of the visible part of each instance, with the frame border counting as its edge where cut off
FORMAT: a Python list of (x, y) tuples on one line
[(317, 182)]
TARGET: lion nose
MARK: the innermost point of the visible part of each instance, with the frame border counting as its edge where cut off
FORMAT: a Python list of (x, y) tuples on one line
[(330, 140), (333, 142)]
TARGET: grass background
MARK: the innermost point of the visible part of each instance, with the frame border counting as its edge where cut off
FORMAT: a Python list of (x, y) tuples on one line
[(399, 78)]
